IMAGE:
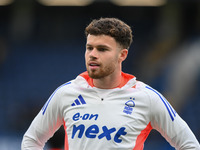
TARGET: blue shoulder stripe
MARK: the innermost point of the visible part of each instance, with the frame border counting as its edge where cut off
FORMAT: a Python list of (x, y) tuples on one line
[(47, 103), (170, 110)]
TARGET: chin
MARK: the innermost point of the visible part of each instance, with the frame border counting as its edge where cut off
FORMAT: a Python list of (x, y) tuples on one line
[(94, 75)]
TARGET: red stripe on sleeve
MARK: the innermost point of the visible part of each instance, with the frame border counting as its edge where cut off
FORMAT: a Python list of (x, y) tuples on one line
[(139, 145), (66, 138)]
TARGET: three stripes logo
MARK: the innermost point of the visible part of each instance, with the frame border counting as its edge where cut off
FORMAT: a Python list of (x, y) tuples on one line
[(79, 101)]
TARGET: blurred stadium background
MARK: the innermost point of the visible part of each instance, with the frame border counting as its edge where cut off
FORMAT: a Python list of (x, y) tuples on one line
[(42, 46)]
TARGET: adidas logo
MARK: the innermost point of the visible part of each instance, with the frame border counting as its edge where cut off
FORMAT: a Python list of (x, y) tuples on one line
[(78, 101)]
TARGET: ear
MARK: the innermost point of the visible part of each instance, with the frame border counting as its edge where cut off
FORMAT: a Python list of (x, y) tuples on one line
[(123, 54)]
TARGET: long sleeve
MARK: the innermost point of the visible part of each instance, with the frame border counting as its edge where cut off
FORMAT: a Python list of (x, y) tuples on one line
[(171, 126), (45, 124)]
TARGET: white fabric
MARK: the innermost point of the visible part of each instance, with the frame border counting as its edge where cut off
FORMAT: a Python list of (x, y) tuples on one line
[(115, 123)]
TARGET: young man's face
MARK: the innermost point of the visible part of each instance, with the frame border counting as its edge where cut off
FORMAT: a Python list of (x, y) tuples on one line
[(102, 56)]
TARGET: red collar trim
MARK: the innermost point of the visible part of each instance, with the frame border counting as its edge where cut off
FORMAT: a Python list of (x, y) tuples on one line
[(125, 78)]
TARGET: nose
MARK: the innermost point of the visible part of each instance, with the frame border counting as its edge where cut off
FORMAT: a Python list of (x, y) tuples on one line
[(93, 53)]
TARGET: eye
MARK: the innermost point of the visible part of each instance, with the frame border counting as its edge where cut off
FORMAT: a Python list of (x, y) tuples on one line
[(89, 48), (102, 49)]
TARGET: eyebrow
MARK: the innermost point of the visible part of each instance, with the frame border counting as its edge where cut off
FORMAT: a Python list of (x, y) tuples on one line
[(104, 46)]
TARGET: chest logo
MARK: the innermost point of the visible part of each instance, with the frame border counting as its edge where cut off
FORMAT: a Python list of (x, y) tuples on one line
[(94, 130), (128, 109), (78, 101)]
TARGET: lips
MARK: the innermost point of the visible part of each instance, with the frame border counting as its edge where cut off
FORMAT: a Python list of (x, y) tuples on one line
[(93, 65)]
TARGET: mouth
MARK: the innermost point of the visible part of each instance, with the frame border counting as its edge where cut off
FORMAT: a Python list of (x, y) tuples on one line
[(93, 65)]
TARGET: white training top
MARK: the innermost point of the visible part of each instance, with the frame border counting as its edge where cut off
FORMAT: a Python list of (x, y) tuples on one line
[(108, 119)]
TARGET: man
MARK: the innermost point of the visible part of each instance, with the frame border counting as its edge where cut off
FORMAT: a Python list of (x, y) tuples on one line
[(104, 108)]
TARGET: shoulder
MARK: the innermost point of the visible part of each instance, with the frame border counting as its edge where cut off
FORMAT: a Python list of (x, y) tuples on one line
[(151, 92), (143, 87), (159, 104), (154, 98), (72, 86), (64, 86)]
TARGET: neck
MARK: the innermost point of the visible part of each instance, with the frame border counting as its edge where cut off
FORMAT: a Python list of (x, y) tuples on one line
[(108, 82)]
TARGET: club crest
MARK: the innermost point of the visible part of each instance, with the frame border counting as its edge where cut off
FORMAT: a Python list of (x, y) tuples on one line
[(128, 109)]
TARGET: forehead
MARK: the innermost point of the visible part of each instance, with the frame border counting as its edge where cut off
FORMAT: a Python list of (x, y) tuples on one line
[(96, 40)]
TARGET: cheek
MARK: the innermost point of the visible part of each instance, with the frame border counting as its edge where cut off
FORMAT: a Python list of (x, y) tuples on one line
[(86, 55), (112, 61), (117, 58)]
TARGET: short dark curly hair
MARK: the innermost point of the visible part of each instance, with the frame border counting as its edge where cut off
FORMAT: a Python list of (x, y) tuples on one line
[(113, 27)]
